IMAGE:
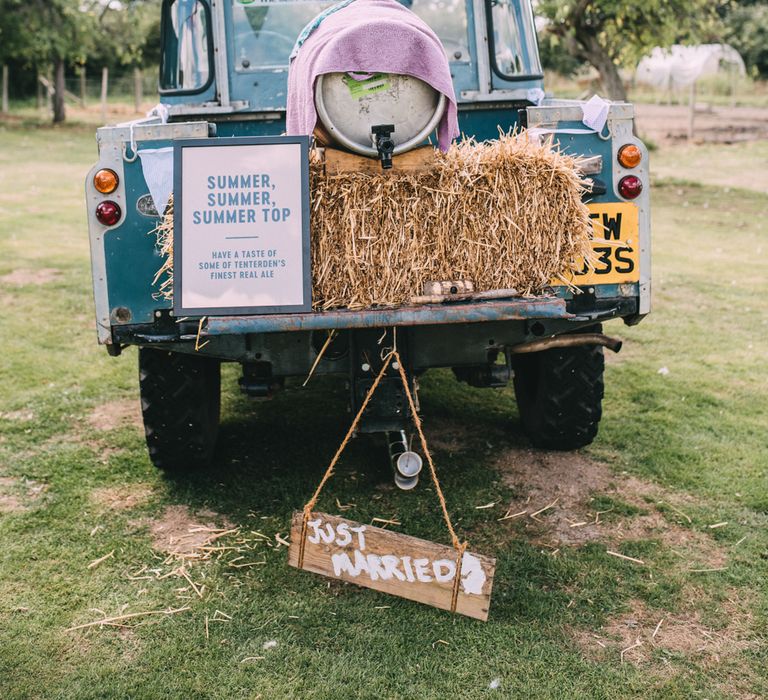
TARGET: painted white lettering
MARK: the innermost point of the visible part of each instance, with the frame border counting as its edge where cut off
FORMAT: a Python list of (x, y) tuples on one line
[(472, 574), (315, 525), (329, 535), (390, 562), (375, 568), (421, 570), (408, 570), (344, 536), (444, 569), (360, 537), (360, 563), (343, 564)]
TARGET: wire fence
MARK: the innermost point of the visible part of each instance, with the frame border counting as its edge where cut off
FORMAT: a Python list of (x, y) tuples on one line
[(122, 86), (86, 88)]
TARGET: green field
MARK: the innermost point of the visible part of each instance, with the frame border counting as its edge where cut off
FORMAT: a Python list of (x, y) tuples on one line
[(85, 518)]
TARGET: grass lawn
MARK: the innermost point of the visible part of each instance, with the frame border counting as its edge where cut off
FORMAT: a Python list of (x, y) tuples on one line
[(85, 518)]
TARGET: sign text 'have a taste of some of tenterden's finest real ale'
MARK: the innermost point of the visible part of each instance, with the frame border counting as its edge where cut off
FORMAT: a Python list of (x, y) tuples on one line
[(241, 226), (393, 563)]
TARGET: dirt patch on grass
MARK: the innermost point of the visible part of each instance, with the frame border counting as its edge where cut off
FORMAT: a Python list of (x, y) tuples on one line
[(10, 500), (569, 499), (17, 416), (19, 495), (116, 414), (124, 497), (645, 635), (588, 503), (24, 277), (717, 124), (448, 436), (181, 533)]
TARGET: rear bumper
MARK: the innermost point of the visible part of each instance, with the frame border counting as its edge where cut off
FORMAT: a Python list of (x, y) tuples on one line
[(423, 315), (438, 335)]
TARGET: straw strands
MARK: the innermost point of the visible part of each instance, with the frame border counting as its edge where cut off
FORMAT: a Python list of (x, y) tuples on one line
[(504, 214), (164, 234)]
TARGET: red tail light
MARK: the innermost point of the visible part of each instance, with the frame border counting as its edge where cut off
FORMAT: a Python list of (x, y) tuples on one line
[(108, 213), (630, 187)]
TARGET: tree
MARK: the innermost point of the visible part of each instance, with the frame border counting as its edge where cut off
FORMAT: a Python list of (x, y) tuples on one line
[(66, 32), (747, 31), (127, 32), (48, 32), (608, 33)]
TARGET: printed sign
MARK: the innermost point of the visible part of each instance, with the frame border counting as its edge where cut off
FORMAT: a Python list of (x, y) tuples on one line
[(393, 563), (616, 242), (241, 226)]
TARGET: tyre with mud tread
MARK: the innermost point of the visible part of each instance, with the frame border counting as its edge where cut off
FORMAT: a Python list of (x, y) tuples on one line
[(180, 404), (559, 394)]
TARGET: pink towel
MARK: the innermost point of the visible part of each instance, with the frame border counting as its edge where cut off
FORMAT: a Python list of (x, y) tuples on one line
[(369, 36)]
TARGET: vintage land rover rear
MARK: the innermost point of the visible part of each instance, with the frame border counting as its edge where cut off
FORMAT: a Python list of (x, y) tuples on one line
[(224, 74)]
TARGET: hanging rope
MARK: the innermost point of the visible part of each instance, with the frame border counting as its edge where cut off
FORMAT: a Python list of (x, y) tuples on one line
[(312, 502), (459, 546)]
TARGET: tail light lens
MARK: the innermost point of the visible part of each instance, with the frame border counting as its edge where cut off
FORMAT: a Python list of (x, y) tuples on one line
[(108, 213), (630, 156), (106, 181), (630, 187)]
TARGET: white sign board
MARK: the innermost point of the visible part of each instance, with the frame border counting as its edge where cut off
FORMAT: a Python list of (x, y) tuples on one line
[(241, 226)]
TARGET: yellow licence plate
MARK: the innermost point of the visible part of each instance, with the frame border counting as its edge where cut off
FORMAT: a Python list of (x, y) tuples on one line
[(616, 244)]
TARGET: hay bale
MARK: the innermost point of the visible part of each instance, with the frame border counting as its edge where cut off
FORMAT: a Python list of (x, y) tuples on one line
[(503, 214)]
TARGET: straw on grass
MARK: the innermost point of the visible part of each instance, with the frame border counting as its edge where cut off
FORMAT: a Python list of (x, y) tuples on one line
[(513, 515), (624, 556), (118, 619), (98, 561), (545, 508)]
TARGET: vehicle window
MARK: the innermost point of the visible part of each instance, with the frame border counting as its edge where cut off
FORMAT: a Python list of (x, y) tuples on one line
[(515, 50), (265, 31), (185, 64), (448, 19)]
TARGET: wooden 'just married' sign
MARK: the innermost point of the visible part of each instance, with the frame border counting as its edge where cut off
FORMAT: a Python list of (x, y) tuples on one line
[(393, 563)]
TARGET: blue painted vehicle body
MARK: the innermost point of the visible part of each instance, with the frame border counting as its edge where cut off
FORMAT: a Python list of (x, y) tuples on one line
[(252, 103)]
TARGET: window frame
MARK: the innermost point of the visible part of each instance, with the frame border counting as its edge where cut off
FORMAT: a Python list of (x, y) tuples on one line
[(492, 48), (164, 14)]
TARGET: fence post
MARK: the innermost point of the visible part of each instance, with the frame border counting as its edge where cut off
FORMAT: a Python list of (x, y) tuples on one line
[(104, 85), (5, 89), (83, 86), (138, 88), (691, 110)]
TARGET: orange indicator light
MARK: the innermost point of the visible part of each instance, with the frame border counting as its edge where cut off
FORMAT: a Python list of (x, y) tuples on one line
[(106, 181), (630, 156)]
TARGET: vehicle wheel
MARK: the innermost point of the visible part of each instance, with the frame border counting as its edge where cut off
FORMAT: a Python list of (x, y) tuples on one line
[(180, 404), (559, 395)]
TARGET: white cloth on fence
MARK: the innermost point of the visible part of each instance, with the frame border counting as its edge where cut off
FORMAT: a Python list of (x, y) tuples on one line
[(157, 166)]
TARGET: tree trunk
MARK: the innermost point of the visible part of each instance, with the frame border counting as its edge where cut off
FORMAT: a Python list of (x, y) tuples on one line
[(4, 108), (59, 113), (609, 73)]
